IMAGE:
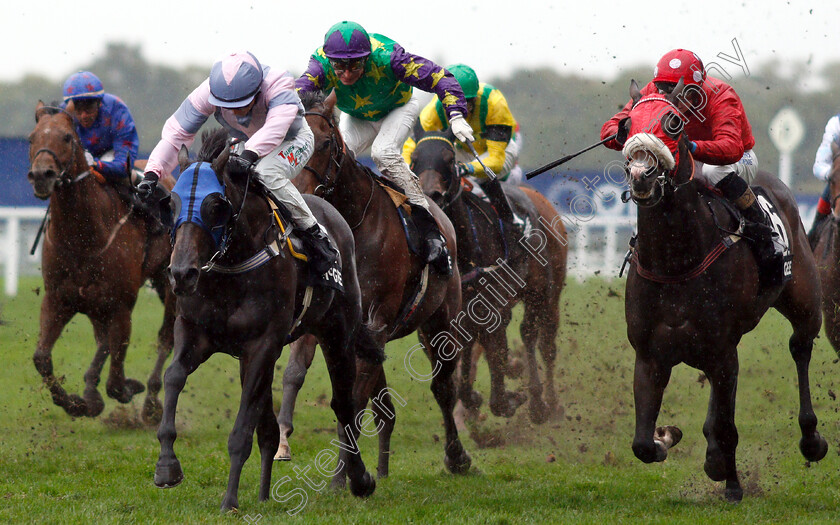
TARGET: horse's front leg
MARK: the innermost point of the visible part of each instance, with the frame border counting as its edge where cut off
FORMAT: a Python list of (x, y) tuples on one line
[(191, 349), (256, 372), (268, 437), (301, 353), (719, 428), (119, 331), (649, 381), (152, 407), (54, 317)]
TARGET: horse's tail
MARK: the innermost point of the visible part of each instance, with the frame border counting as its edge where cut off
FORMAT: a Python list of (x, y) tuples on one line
[(367, 347)]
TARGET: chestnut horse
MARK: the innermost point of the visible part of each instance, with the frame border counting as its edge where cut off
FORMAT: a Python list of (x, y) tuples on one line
[(240, 294), (538, 261), (693, 291), (393, 295), (97, 253), (827, 253)]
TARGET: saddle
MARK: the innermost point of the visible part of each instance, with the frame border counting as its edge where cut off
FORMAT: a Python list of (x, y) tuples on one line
[(476, 199)]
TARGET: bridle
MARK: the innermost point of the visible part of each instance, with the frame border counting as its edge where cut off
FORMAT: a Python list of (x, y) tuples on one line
[(454, 187), (326, 183), (664, 181), (64, 178)]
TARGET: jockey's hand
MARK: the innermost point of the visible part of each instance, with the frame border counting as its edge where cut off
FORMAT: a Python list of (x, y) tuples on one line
[(460, 128), (147, 185), (464, 169), (89, 159), (241, 164), (623, 131)]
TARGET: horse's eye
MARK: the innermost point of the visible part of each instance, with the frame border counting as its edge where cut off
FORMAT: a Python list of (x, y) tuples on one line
[(325, 144), (67, 137)]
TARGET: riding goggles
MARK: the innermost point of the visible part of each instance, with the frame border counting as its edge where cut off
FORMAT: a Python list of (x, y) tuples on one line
[(352, 65)]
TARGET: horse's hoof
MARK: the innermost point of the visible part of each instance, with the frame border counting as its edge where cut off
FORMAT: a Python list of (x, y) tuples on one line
[(459, 465), (734, 494), (284, 453), (168, 476), (95, 403), (229, 505), (813, 449), (472, 400), (714, 467), (75, 406), (152, 411), (538, 411), (130, 388), (338, 483), (507, 407), (668, 435), (365, 487)]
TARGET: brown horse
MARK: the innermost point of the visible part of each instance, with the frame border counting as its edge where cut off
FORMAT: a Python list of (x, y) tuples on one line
[(827, 253), (693, 292), (97, 253), (532, 272), (400, 294), (240, 293)]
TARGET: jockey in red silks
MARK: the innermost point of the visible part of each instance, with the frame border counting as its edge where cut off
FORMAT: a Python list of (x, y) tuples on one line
[(822, 170), (716, 125)]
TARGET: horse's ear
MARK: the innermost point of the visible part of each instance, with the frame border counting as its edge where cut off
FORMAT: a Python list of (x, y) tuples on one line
[(675, 93), (672, 125), (220, 162), (329, 102), (183, 158), (39, 110), (449, 135), (635, 92), (835, 150)]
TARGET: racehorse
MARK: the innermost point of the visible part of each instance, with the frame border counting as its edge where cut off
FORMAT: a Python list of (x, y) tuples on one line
[(241, 294), (827, 253), (693, 290), (538, 260), (97, 253), (400, 294)]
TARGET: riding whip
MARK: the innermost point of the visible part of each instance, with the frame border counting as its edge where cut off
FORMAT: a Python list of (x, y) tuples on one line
[(532, 174), (494, 189), (40, 231)]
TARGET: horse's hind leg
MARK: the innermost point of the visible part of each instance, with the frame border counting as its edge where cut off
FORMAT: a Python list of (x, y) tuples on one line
[(119, 331), (385, 418), (719, 428), (539, 329), (341, 364), (53, 320), (502, 402), (301, 353), (152, 407)]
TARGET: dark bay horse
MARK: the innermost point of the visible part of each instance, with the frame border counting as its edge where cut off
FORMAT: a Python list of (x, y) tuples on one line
[(97, 253), (827, 253), (241, 293), (538, 261), (400, 294), (693, 292)]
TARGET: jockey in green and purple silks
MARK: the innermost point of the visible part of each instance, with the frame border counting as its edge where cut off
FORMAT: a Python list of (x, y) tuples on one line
[(373, 77)]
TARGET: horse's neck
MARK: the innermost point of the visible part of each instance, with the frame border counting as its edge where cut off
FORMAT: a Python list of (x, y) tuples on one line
[(677, 234), (356, 196), (78, 212), (458, 213)]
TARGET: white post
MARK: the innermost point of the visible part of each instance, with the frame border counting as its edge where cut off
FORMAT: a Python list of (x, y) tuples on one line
[(786, 168), (610, 256), (12, 255)]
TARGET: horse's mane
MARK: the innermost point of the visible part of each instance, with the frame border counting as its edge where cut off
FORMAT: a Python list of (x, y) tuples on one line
[(213, 142), (310, 99)]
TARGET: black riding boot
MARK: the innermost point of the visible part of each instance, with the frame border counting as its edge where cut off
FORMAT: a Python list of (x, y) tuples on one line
[(320, 250), (436, 253), (819, 218), (494, 191)]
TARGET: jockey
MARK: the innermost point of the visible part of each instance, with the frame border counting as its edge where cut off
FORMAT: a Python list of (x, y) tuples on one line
[(717, 126), (822, 170), (104, 125), (373, 77), (497, 137), (258, 105)]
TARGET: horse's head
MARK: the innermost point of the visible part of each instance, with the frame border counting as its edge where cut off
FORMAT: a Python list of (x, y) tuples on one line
[(55, 153), (656, 149), (433, 161), (320, 173), (201, 210)]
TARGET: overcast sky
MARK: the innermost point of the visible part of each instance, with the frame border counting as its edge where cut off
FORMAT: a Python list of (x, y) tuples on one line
[(590, 37)]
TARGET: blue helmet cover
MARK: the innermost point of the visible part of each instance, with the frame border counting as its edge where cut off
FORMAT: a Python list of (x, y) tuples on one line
[(195, 185)]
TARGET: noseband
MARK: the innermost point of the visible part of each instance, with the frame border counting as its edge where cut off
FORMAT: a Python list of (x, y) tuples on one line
[(326, 183)]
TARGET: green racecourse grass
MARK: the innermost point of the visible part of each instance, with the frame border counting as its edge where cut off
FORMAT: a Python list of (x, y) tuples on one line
[(57, 470)]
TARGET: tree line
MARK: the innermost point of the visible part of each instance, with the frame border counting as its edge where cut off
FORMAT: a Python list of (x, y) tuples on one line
[(558, 112)]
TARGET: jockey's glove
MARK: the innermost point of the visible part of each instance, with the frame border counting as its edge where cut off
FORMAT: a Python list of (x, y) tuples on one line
[(460, 128), (147, 185), (464, 169), (89, 159), (623, 131), (242, 163)]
